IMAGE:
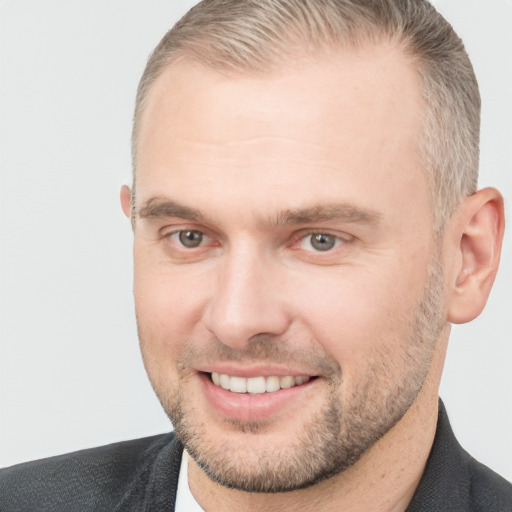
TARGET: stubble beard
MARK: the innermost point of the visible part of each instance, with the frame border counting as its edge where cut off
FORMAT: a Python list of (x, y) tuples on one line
[(332, 440)]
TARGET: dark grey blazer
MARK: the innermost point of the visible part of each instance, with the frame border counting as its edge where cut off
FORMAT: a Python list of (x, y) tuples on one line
[(142, 476)]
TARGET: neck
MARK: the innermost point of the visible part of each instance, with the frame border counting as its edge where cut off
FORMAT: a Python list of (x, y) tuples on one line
[(383, 480)]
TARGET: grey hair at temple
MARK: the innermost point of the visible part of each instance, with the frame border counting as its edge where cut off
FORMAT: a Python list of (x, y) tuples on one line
[(243, 37)]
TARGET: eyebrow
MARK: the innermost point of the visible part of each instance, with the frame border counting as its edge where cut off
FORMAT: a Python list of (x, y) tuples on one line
[(161, 208), (344, 212)]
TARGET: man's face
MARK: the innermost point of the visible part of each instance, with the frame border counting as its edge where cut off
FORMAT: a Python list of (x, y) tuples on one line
[(284, 247)]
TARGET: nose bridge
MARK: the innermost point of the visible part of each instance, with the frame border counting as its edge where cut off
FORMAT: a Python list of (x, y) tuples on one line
[(245, 300)]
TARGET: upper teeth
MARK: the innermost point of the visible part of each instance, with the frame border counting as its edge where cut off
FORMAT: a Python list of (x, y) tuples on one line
[(256, 385)]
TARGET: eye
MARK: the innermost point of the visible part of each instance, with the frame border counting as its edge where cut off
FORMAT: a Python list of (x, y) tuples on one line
[(320, 242), (189, 238)]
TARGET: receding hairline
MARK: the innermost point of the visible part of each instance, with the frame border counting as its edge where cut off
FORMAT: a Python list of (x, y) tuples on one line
[(252, 36), (274, 68)]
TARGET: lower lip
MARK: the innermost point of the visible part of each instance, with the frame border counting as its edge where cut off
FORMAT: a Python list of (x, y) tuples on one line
[(247, 407)]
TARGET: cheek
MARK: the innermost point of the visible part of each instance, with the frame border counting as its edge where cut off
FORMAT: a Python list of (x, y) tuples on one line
[(357, 314), (168, 305)]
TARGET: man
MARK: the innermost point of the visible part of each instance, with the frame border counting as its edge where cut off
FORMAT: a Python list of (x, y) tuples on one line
[(307, 227)]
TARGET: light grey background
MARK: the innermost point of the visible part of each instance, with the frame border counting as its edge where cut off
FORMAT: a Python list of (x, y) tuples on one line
[(70, 370)]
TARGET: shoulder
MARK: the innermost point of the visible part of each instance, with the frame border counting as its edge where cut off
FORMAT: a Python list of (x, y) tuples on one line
[(488, 490), (92, 479), (455, 481)]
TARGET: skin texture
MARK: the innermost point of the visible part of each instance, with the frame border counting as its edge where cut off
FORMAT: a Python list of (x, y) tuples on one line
[(255, 166)]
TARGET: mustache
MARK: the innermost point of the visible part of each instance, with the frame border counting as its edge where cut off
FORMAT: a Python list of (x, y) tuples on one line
[(261, 348)]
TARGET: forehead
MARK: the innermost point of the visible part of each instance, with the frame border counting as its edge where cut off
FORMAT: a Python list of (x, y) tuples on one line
[(347, 114)]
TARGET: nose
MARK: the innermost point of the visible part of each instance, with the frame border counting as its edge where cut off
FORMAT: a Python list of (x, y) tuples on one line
[(246, 300)]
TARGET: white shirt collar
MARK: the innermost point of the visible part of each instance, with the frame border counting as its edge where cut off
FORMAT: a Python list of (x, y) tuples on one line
[(185, 501)]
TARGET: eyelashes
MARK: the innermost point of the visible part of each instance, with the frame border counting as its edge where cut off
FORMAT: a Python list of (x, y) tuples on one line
[(313, 241), (320, 242), (189, 238)]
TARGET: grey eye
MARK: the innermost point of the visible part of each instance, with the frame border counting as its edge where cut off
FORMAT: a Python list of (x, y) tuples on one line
[(322, 242), (190, 238)]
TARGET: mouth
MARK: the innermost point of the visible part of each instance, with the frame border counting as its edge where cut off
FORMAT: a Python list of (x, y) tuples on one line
[(252, 394), (257, 385)]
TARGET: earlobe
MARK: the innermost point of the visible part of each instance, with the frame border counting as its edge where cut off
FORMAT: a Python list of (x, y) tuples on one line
[(480, 233), (126, 200)]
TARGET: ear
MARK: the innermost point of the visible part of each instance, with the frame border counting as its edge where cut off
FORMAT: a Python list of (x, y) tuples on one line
[(126, 200), (479, 234)]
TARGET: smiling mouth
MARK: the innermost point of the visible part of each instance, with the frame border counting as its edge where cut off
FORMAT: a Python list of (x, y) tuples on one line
[(257, 385)]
